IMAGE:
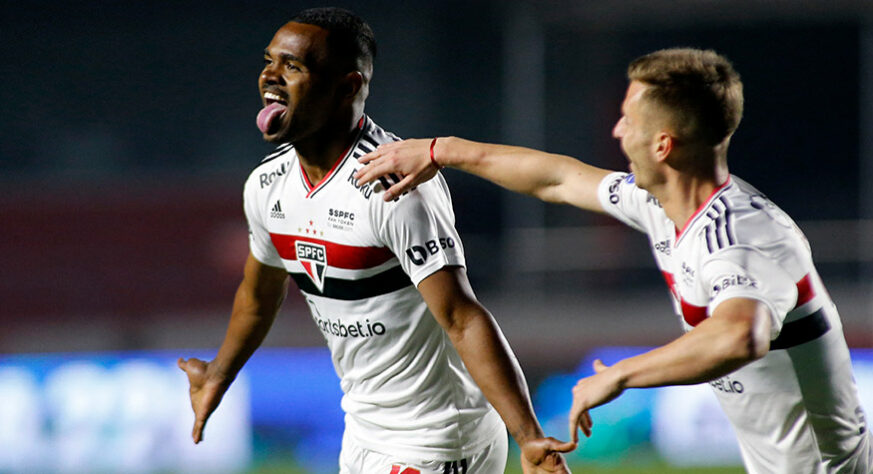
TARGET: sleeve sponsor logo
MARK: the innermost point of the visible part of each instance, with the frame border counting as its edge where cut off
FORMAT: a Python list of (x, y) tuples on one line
[(418, 254), (266, 179), (732, 281), (652, 200), (614, 198)]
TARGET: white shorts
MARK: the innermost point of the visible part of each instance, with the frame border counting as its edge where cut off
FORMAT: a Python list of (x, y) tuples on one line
[(357, 460)]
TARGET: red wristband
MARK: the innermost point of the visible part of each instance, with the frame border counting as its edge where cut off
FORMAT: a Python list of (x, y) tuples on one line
[(432, 159)]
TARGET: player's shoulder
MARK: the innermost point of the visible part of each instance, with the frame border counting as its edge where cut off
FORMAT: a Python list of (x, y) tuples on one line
[(740, 215), (276, 163)]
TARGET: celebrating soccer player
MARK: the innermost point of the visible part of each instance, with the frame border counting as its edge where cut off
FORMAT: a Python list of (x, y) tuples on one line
[(430, 384), (755, 312)]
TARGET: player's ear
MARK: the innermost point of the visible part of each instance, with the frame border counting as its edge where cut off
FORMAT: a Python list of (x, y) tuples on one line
[(351, 84), (663, 145)]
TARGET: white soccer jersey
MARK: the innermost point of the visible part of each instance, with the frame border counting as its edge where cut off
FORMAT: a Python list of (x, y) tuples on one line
[(357, 261), (796, 410)]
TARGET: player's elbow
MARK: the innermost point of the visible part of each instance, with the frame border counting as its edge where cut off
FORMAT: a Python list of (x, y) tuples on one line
[(748, 343)]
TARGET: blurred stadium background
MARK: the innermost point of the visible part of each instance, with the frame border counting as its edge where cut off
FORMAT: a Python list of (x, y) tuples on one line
[(128, 130)]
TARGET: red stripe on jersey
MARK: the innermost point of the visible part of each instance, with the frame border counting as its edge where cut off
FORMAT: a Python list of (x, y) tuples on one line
[(805, 292), (671, 283), (337, 255), (692, 314)]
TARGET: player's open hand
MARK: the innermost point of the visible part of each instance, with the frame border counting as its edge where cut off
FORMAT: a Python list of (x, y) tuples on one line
[(206, 392), (543, 455), (409, 160), (591, 392)]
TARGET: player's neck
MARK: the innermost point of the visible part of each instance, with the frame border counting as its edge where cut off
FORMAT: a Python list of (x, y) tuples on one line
[(319, 153), (684, 194)]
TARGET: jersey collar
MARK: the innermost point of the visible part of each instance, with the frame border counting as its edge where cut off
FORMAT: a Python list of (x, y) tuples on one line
[(310, 189), (691, 220)]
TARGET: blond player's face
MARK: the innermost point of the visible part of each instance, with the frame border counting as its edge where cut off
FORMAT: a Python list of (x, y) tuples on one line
[(635, 132)]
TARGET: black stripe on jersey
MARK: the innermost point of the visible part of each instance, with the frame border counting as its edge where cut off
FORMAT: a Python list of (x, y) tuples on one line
[(719, 233), (708, 230), (370, 141), (803, 330), (363, 148), (279, 151), (385, 183), (718, 225), (728, 219), (340, 289)]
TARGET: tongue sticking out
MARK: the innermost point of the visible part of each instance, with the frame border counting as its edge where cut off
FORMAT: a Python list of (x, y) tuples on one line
[(268, 117)]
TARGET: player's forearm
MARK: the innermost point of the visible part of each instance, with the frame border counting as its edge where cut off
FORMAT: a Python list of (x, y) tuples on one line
[(249, 324), (494, 368), (546, 176), (514, 168), (713, 349)]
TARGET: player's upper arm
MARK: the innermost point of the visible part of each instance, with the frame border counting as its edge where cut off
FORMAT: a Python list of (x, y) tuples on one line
[(745, 324), (576, 184), (450, 298), (546, 176), (265, 284)]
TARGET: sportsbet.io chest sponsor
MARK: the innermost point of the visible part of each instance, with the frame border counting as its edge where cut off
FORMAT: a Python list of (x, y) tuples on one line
[(336, 327)]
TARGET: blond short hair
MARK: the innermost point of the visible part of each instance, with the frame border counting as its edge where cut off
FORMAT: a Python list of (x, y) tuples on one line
[(699, 89)]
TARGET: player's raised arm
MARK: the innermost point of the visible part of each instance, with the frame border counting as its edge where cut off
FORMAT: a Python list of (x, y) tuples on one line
[(546, 176), (257, 300), (737, 333), (493, 366)]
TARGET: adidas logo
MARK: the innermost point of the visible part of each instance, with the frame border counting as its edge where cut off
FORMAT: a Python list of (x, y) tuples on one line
[(276, 211)]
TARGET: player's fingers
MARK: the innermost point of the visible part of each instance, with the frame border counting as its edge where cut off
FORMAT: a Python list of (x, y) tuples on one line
[(561, 446), (197, 433), (399, 188), (369, 156), (574, 425), (599, 366), (585, 423), (182, 363)]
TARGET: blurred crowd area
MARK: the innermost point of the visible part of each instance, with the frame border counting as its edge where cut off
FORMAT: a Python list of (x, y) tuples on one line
[(129, 128)]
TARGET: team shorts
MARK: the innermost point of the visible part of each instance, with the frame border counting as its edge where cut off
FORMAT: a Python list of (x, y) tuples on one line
[(357, 460)]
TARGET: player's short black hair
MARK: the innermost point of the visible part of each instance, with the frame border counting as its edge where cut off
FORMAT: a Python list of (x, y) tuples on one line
[(350, 36)]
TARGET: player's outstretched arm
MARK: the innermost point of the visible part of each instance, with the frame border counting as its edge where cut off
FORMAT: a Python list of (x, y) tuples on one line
[(487, 356), (546, 176), (737, 333), (257, 300)]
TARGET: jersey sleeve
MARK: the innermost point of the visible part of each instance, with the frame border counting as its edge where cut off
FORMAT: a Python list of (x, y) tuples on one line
[(743, 272), (621, 198), (260, 244), (419, 228)]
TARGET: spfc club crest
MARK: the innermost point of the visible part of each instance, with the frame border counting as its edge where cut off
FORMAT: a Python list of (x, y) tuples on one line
[(314, 260)]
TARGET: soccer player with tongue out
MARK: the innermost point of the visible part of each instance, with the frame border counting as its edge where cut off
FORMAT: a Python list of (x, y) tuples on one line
[(430, 384)]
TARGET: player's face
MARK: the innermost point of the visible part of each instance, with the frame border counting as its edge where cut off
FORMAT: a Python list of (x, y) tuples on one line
[(636, 134), (296, 84)]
